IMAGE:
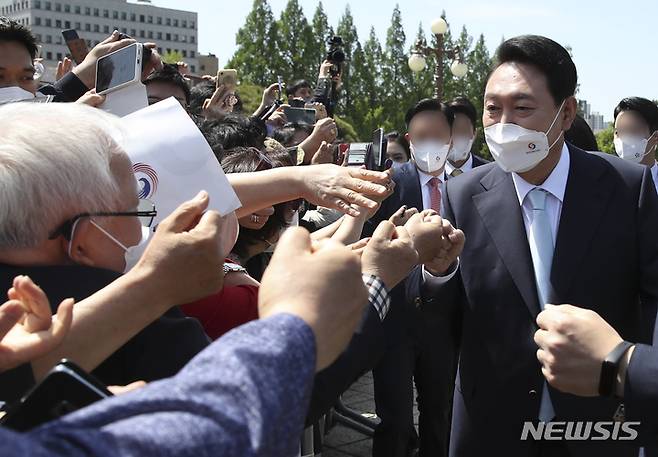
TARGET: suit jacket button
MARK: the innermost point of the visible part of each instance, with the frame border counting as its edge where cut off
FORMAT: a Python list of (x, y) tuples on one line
[(418, 302), (532, 392)]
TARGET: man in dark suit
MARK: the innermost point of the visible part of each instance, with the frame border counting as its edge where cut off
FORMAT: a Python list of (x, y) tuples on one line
[(547, 223), (460, 158), (411, 339)]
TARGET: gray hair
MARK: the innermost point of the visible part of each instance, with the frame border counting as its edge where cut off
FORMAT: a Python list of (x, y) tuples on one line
[(55, 161)]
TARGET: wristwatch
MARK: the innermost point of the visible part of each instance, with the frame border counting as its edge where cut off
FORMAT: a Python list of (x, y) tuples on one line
[(610, 367), (233, 268)]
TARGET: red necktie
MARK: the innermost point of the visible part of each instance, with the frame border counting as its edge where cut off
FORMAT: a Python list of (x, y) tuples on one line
[(435, 194)]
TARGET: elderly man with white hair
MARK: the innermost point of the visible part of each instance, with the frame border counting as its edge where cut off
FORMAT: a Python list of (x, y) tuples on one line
[(71, 221)]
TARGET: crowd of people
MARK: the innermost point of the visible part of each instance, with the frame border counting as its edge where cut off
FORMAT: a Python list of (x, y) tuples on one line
[(522, 290)]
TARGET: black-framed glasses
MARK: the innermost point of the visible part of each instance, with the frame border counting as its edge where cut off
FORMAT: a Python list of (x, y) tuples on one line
[(146, 212)]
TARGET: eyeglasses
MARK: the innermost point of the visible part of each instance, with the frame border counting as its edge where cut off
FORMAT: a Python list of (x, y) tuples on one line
[(145, 212)]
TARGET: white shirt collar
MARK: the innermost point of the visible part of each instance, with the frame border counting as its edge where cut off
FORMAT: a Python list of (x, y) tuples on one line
[(424, 178), (468, 165), (555, 184), (654, 172)]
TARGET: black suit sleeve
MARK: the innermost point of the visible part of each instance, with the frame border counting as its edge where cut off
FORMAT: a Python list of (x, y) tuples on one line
[(648, 248)]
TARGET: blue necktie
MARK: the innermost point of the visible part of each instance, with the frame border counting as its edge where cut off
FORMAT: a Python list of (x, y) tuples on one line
[(541, 249)]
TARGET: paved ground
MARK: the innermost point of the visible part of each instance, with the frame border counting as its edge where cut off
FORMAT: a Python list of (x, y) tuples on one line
[(343, 441)]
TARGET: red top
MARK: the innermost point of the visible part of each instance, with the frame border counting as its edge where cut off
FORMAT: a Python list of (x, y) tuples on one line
[(225, 310)]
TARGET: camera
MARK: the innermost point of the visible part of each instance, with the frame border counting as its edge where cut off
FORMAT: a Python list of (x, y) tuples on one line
[(371, 155), (335, 54)]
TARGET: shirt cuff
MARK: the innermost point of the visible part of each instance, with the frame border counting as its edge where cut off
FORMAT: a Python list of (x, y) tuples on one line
[(378, 296), (429, 277)]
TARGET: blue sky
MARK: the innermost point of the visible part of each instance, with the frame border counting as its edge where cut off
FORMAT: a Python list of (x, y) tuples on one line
[(613, 42)]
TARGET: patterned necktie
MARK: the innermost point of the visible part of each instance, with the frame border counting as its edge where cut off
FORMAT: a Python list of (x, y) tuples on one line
[(541, 249), (435, 194), (456, 172)]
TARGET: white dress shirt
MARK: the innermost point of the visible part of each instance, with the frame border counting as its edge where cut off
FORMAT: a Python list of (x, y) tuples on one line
[(424, 179), (654, 175), (554, 185), (468, 166)]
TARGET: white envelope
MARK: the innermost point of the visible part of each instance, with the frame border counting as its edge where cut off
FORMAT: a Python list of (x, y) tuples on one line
[(126, 100), (172, 160)]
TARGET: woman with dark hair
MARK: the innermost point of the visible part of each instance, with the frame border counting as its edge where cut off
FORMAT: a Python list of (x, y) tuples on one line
[(398, 147)]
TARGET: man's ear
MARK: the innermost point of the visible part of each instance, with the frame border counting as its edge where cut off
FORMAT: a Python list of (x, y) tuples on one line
[(569, 112), (78, 246), (406, 137)]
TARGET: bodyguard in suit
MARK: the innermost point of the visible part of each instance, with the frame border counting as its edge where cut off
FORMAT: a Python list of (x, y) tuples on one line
[(460, 158), (546, 223), (413, 339)]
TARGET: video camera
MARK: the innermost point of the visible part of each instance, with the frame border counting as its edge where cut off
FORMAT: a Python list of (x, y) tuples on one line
[(335, 54), (372, 155)]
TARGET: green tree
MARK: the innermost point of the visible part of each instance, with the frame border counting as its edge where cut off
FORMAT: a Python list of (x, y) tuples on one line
[(296, 43), (398, 78), (321, 32), (479, 65), (347, 31), (172, 57), (605, 138), (257, 56)]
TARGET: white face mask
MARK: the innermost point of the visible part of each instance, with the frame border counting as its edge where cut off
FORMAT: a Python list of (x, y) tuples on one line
[(430, 156), (461, 148), (631, 147), (14, 94), (133, 253), (517, 149)]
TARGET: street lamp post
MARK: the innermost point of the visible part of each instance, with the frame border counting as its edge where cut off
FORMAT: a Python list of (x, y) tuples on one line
[(420, 51)]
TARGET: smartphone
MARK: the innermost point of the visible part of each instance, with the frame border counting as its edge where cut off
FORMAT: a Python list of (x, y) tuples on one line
[(228, 78), (300, 115), (119, 69), (65, 388), (77, 45), (297, 103)]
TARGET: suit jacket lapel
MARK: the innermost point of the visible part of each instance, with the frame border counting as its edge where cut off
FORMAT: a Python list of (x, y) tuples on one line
[(499, 209), (585, 201)]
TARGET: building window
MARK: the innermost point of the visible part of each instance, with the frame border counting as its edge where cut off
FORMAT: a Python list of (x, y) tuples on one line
[(37, 4), (96, 12), (192, 39), (58, 23), (168, 37), (193, 69), (67, 24), (168, 21), (203, 68), (150, 34), (124, 16), (115, 15), (133, 32), (49, 22), (49, 39), (49, 55), (176, 37), (59, 39), (149, 19), (184, 38), (59, 56), (124, 30), (77, 9), (37, 21), (106, 13), (38, 36), (192, 54), (192, 25), (141, 18), (97, 28), (87, 28), (184, 52), (159, 35), (48, 6), (141, 34), (175, 22), (133, 17), (160, 51), (87, 11), (159, 20), (58, 7), (78, 26), (184, 24), (106, 29), (67, 8)]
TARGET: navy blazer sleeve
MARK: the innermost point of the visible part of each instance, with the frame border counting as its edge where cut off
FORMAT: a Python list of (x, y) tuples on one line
[(641, 389), (245, 395)]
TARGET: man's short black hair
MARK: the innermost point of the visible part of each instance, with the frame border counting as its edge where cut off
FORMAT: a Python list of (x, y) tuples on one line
[(580, 135), (464, 106), (646, 109), (170, 75), (430, 104), (13, 31), (549, 57), (296, 85), (199, 94), (232, 131)]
